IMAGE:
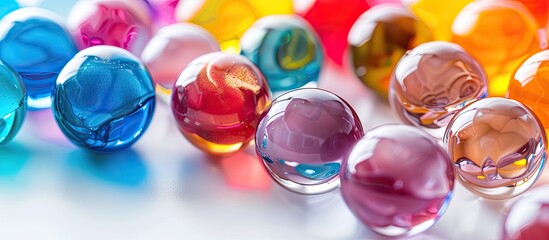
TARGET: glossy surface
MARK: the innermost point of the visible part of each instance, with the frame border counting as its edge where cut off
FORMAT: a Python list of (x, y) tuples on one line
[(540, 10), (104, 99), (528, 218), (8, 6), (217, 101), (119, 23), (434, 81), (377, 41), (498, 147), (13, 103), (334, 28), (303, 137), (437, 15), (286, 50), (35, 44), (164, 12), (499, 34), (227, 20), (172, 48), (397, 180), (529, 81)]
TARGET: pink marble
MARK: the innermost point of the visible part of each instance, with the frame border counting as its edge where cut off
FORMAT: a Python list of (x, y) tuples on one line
[(173, 47), (397, 180), (119, 23), (529, 216), (164, 12)]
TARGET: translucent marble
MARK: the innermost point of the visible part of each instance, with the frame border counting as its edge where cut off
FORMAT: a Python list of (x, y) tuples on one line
[(227, 20), (332, 20), (8, 6), (303, 137), (500, 35), (104, 99), (377, 41), (119, 23), (539, 9), (164, 12), (498, 147), (437, 15), (397, 180), (217, 101), (13, 105), (529, 81), (286, 50), (528, 218), (172, 48), (434, 81), (35, 43)]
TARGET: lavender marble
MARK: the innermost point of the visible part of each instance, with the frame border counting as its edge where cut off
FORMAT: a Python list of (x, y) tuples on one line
[(303, 137), (397, 180)]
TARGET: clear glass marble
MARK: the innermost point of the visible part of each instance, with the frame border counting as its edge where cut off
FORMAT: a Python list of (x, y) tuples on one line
[(13, 103)]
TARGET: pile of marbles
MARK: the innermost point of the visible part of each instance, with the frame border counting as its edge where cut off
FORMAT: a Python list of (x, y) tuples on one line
[(466, 78)]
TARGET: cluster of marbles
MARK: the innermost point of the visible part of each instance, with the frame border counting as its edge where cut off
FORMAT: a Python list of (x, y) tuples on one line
[(217, 101), (382, 184), (13, 103), (499, 34), (104, 99), (498, 147), (303, 137), (528, 83), (434, 81), (331, 26), (227, 20), (286, 50), (172, 48), (119, 23), (35, 43), (378, 39)]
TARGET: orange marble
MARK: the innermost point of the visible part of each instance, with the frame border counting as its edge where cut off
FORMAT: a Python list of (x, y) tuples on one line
[(500, 34)]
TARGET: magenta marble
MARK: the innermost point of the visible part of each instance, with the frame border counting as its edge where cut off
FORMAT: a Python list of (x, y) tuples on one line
[(173, 47), (119, 23), (397, 180), (303, 137), (529, 216)]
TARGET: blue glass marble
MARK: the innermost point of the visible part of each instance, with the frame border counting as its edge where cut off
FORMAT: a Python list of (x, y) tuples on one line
[(104, 99), (286, 49), (7, 6), (13, 103), (34, 42)]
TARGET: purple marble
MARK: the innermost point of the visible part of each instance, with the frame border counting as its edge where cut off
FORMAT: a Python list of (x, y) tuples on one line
[(303, 137), (397, 180)]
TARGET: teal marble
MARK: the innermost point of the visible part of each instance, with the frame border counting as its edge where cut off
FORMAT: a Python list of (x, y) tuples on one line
[(13, 103), (104, 99), (35, 43), (286, 49)]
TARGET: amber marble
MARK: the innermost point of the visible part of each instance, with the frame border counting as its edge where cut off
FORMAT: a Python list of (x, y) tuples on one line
[(500, 34), (378, 39), (498, 147)]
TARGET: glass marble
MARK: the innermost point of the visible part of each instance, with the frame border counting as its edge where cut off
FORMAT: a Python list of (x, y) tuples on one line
[(497, 146), (286, 49), (434, 81), (377, 41), (500, 35), (227, 20), (217, 101), (13, 107), (164, 12), (8, 6), (172, 48), (437, 15), (332, 20), (397, 180), (303, 137), (35, 43), (539, 9), (119, 23), (104, 99), (528, 218), (529, 81)]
